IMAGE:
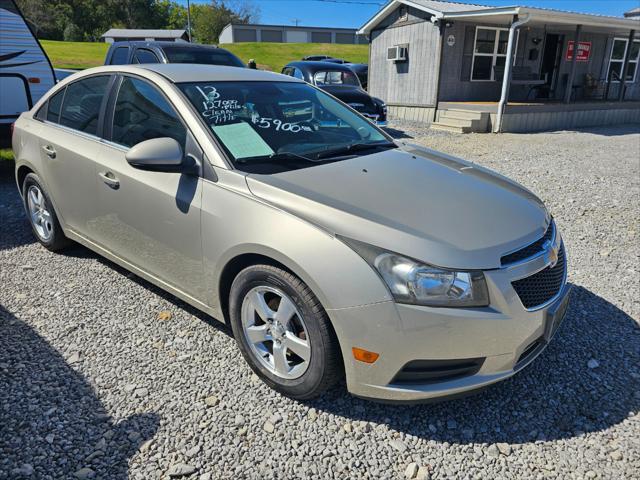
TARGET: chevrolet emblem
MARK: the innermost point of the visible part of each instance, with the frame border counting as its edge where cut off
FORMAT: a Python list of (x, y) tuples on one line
[(552, 255)]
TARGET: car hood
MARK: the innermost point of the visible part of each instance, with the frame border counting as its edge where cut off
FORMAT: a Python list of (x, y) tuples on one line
[(413, 201), (349, 94)]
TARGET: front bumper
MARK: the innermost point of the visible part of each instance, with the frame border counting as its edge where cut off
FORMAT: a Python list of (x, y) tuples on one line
[(505, 336)]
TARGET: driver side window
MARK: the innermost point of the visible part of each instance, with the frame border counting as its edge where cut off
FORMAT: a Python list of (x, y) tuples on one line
[(142, 113)]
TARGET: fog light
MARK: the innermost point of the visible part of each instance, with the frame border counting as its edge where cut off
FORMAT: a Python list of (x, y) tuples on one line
[(364, 355)]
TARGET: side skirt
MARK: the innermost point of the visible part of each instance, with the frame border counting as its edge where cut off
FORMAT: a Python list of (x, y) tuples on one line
[(213, 312)]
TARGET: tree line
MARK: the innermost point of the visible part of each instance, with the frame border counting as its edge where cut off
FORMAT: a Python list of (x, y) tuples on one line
[(87, 20)]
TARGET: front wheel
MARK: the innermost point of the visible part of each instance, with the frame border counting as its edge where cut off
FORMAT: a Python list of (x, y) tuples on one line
[(283, 332)]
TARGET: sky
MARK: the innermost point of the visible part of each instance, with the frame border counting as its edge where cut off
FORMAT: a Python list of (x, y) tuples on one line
[(354, 13)]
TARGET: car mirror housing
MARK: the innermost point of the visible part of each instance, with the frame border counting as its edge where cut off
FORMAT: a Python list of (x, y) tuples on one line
[(158, 154)]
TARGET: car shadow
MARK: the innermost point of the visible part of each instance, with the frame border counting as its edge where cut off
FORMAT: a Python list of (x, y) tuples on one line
[(396, 132), (602, 130), (557, 396), (52, 424)]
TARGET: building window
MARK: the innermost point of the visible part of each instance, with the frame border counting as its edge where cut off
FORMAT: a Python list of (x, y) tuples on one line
[(618, 54), (489, 53)]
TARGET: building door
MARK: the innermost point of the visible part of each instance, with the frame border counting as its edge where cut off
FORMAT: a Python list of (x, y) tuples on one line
[(551, 57)]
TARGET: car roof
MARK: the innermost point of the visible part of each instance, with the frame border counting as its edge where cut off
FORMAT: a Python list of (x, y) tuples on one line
[(166, 43), (187, 72), (317, 66)]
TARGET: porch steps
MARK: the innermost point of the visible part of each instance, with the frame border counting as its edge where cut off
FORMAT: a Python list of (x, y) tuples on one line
[(461, 121)]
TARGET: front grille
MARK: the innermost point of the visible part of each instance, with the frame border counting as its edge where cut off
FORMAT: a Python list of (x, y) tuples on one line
[(541, 287), (433, 371), (364, 108), (531, 249)]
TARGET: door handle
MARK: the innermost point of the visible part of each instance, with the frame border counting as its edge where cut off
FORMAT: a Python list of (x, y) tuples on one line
[(49, 150), (110, 179)]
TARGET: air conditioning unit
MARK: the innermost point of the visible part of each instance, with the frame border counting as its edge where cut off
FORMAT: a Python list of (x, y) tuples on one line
[(397, 53)]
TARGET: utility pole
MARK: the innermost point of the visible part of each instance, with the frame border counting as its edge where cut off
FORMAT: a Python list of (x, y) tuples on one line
[(189, 20), (296, 21)]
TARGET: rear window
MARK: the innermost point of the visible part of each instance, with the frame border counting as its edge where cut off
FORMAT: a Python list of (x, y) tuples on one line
[(53, 109), (335, 77), (81, 107), (207, 56)]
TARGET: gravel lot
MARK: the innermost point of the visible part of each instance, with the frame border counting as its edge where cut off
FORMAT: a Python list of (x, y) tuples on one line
[(97, 380)]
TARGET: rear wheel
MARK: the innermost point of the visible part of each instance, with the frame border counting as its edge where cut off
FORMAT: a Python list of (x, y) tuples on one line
[(41, 214), (283, 332)]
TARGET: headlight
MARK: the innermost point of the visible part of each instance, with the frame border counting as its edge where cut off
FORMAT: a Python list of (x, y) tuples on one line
[(417, 283)]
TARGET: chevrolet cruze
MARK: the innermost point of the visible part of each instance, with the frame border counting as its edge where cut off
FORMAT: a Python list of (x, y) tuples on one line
[(330, 249)]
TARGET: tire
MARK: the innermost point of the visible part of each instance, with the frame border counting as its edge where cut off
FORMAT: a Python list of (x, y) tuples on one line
[(41, 215), (298, 378)]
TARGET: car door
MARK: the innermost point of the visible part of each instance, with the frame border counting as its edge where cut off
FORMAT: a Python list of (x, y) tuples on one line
[(150, 219), (69, 146)]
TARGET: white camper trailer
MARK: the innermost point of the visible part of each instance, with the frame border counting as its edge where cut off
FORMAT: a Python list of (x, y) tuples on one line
[(25, 70)]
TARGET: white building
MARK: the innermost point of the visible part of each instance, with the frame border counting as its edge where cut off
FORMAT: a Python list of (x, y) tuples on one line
[(236, 33), (125, 34)]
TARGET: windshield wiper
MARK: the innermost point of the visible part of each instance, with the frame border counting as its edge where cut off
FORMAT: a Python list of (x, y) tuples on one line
[(352, 148), (276, 156)]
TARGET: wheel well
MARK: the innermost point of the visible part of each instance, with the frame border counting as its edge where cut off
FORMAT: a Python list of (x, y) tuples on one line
[(239, 263), (231, 271), (23, 171)]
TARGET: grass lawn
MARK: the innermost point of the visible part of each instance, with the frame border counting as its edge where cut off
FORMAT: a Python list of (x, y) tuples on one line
[(274, 56), (269, 56), (6, 154), (75, 55)]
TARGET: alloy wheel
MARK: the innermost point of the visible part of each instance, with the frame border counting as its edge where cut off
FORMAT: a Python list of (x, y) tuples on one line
[(40, 216), (276, 332)]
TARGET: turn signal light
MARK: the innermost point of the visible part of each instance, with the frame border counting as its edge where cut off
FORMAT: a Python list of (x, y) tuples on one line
[(364, 355)]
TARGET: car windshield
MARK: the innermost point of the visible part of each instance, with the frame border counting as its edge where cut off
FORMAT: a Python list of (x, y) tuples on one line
[(207, 56), (335, 77), (270, 127)]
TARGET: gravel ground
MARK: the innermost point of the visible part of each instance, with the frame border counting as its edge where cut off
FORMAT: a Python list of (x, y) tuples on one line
[(104, 376)]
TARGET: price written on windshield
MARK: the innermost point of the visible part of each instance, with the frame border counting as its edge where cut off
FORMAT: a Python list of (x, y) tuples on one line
[(279, 125)]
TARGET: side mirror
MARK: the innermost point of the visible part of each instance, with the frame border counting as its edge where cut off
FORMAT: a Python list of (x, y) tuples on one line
[(158, 154)]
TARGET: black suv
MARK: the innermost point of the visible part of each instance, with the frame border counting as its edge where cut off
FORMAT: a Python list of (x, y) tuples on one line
[(125, 53)]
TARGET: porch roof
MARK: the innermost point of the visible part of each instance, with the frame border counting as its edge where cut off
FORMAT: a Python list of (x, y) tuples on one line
[(504, 15)]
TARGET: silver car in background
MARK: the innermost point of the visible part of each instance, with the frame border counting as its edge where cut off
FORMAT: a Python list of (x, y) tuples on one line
[(330, 249)]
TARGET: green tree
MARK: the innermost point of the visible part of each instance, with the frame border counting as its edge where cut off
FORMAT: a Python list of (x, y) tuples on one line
[(208, 20), (89, 19), (47, 19), (72, 33)]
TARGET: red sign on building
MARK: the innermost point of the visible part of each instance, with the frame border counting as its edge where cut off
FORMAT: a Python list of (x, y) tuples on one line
[(584, 50)]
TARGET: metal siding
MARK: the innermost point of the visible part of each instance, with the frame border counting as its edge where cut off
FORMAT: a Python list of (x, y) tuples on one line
[(245, 35), (272, 36), (412, 82), (321, 37), (345, 38)]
